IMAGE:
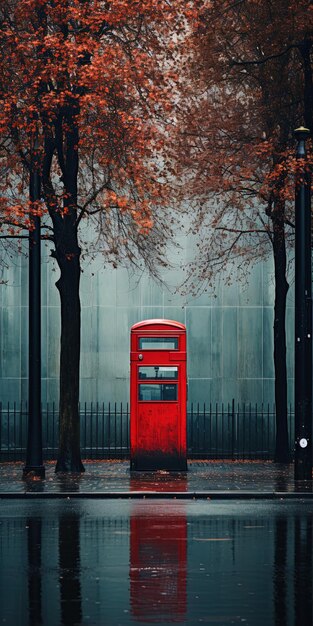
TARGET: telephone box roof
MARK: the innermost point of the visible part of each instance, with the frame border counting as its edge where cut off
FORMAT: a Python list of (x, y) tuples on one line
[(158, 322)]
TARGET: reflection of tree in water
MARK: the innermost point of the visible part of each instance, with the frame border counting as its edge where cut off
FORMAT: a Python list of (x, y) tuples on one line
[(293, 535), (33, 526), (69, 568), (303, 571), (280, 571)]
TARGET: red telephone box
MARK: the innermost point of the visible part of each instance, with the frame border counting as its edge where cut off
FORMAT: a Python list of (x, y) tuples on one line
[(158, 396)]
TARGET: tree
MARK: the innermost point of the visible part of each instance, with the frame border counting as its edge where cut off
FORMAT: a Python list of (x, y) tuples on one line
[(87, 88), (251, 86)]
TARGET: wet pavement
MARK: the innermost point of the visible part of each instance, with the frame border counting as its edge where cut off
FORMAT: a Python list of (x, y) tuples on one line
[(224, 543), (126, 563), (231, 479)]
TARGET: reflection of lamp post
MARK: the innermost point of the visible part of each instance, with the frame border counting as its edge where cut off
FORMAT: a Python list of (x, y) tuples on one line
[(303, 316), (34, 462), (34, 571)]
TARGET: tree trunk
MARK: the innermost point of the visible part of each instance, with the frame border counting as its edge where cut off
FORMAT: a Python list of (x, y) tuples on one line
[(67, 253), (282, 454), (69, 459)]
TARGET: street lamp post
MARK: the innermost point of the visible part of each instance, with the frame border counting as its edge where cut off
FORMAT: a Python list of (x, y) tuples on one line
[(303, 315), (34, 463)]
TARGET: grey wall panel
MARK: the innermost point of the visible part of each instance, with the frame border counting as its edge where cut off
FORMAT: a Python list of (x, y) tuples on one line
[(199, 390), (44, 390), (53, 339), (268, 283), (251, 390), (106, 343), (52, 390), (125, 318), (151, 312), (121, 389), (128, 288), (50, 276), (229, 346), (268, 342), (230, 294), (10, 391), (229, 390), (151, 293), (250, 342), (88, 289), (24, 389), (269, 391), (198, 321), (216, 343), (291, 391), (251, 290), (23, 296), (290, 339), (45, 277), (173, 288), (104, 281), (89, 342), (216, 390), (291, 290), (176, 313), (208, 297), (11, 342), (89, 389), (24, 341), (230, 335), (45, 367), (11, 291)]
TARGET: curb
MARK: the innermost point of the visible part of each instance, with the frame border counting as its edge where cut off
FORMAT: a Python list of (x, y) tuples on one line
[(156, 495)]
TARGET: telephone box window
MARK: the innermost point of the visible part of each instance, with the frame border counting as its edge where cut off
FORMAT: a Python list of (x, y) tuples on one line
[(157, 372), (158, 343), (157, 393)]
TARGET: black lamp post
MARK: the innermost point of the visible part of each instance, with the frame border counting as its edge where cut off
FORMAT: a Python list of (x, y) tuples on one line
[(303, 316), (34, 463)]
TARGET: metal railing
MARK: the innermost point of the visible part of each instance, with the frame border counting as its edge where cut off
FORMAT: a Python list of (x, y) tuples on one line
[(232, 431)]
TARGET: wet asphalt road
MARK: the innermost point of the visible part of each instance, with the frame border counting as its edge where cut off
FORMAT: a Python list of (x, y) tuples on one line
[(131, 562)]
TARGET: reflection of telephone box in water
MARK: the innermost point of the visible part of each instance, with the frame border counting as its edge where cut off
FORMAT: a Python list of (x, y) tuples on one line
[(158, 396), (158, 564)]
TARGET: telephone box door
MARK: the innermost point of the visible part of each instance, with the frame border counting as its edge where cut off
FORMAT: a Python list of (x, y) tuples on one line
[(158, 396)]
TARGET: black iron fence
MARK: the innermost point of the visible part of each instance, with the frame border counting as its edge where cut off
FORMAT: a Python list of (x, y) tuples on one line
[(229, 431)]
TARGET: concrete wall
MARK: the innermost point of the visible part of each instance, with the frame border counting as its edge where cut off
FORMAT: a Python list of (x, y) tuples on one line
[(230, 337)]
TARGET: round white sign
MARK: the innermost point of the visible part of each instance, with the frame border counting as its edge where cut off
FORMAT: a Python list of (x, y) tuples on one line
[(303, 442)]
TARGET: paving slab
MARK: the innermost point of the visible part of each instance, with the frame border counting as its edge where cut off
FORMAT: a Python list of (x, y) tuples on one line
[(204, 479)]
